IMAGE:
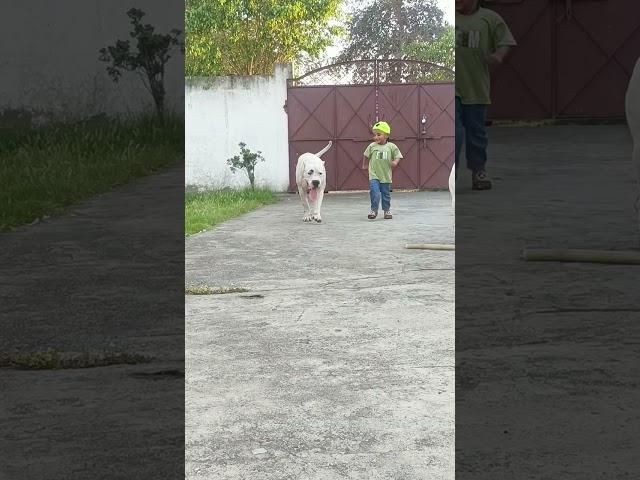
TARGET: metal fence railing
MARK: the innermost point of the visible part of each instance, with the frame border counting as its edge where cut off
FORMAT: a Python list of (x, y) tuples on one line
[(375, 72)]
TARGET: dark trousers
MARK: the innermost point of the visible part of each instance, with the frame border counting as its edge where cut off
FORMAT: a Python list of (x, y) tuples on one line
[(471, 130)]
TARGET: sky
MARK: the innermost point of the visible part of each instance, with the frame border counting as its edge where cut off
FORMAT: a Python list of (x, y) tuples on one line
[(449, 9)]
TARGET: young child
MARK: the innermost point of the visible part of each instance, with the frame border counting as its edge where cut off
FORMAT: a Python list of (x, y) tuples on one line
[(482, 41), (382, 156)]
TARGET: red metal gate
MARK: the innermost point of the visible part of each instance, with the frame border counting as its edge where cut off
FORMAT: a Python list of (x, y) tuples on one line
[(574, 58), (421, 116)]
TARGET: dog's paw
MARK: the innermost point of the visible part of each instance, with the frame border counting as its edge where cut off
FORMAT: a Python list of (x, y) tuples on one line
[(317, 218), (307, 217)]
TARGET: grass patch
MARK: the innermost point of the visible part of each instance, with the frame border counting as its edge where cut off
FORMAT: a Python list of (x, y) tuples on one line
[(204, 290), (55, 360), (207, 209), (49, 168)]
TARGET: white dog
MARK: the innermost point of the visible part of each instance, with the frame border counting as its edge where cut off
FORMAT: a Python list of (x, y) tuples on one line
[(632, 108), (311, 178), (452, 185)]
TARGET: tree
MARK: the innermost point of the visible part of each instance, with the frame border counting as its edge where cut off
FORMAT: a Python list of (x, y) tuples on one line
[(148, 61), (440, 52), (384, 28), (306, 63), (248, 37)]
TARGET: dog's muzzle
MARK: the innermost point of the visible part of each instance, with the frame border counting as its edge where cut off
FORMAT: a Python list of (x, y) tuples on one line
[(312, 190)]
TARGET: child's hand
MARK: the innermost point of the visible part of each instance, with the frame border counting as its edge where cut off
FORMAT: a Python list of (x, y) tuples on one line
[(497, 57), (494, 60), (394, 163)]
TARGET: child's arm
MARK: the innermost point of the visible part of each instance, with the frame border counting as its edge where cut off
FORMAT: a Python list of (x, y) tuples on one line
[(397, 155), (365, 157), (503, 39)]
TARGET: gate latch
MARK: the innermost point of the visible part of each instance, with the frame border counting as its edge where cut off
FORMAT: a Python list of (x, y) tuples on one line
[(423, 123)]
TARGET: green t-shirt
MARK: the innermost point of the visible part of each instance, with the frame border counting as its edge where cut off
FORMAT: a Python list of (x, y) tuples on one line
[(478, 36), (380, 158)]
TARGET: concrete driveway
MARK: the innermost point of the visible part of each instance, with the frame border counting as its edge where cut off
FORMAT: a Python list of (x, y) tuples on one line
[(547, 352), (338, 362), (106, 276)]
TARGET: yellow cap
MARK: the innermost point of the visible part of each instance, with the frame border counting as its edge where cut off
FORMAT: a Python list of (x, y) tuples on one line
[(383, 127)]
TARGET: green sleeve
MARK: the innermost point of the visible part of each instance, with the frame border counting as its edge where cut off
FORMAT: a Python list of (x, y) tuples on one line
[(367, 151), (397, 155), (502, 36)]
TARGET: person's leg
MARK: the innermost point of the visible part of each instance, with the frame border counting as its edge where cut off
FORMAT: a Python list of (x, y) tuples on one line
[(459, 132), (476, 142), (374, 194), (385, 191), (476, 136)]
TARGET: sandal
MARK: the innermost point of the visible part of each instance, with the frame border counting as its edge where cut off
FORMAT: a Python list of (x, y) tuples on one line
[(481, 181), (387, 215), (372, 215)]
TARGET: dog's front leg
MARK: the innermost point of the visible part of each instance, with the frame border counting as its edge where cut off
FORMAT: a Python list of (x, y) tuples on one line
[(635, 157), (305, 204), (318, 204), (452, 186)]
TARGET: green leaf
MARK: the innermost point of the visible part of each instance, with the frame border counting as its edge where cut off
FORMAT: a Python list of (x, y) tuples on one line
[(248, 37)]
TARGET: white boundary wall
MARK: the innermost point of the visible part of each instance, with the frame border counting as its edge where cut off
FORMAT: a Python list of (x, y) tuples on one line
[(221, 112)]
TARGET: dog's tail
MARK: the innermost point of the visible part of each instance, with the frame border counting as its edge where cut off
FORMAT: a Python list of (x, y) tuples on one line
[(319, 154)]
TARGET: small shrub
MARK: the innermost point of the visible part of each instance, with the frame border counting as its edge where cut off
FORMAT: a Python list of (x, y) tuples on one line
[(149, 60), (247, 161)]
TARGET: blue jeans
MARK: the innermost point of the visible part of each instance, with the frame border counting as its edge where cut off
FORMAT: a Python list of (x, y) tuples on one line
[(377, 190), (471, 129)]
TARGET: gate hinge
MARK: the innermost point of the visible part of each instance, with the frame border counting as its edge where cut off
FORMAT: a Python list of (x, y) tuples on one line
[(285, 107)]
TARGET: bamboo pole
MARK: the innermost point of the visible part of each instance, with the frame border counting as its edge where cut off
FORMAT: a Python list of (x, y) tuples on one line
[(623, 257)]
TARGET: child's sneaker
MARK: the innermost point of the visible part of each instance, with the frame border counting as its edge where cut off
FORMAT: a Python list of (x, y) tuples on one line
[(387, 215), (372, 215), (481, 181)]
